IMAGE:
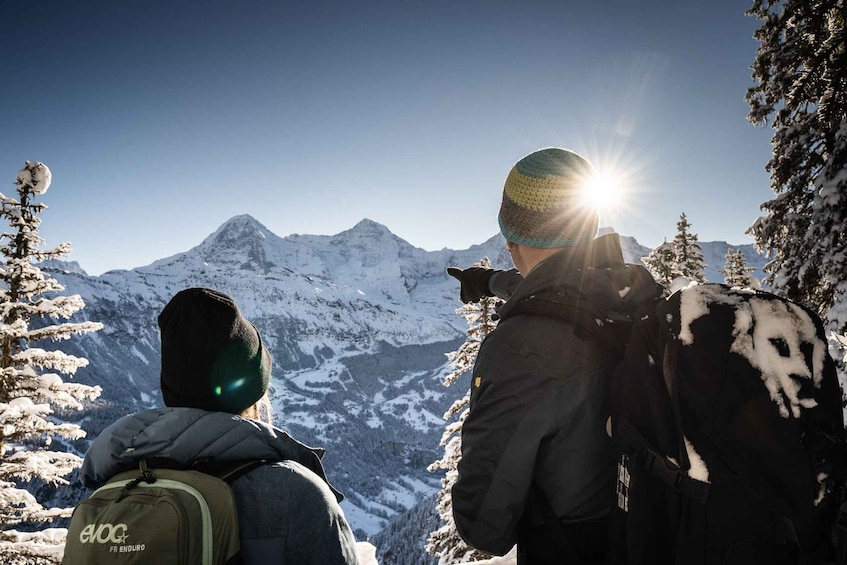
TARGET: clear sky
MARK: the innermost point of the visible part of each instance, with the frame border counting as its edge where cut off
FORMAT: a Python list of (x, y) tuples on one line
[(162, 119)]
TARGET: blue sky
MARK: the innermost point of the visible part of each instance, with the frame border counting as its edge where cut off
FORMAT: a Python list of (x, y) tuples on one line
[(161, 120)]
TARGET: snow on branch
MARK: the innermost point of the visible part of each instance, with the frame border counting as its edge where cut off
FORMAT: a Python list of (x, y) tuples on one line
[(21, 410), (64, 306), (18, 506), (49, 388), (58, 360), (50, 466), (39, 255), (61, 306), (27, 548), (16, 330), (63, 331), (35, 176), (21, 419)]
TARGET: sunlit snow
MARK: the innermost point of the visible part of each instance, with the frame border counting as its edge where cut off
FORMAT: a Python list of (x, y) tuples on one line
[(769, 334)]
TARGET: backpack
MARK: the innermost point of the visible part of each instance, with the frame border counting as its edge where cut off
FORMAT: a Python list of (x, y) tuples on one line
[(159, 515), (727, 420)]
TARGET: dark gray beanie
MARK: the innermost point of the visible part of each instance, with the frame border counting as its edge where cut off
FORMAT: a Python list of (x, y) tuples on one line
[(212, 357)]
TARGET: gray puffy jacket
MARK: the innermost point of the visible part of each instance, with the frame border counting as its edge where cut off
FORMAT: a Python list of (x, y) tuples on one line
[(287, 511)]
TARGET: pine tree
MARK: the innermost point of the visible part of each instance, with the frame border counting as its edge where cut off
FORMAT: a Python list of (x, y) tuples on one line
[(662, 264), (736, 272), (445, 542), (800, 72), (27, 395), (688, 256)]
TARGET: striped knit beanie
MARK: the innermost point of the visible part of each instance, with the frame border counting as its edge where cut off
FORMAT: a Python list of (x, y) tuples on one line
[(542, 205)]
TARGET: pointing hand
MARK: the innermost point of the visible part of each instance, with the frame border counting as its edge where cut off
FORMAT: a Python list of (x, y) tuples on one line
[(474, 282)]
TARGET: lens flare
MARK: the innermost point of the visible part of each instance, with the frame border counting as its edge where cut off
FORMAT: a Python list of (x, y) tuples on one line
[(603, 190)]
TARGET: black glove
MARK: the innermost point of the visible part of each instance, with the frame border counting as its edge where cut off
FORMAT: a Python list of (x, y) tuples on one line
[(474, 282)]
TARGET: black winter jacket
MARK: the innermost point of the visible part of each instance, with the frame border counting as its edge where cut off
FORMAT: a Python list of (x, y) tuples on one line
[(537, 468)]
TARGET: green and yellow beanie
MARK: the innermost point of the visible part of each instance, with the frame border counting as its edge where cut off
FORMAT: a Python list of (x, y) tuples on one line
[(542, 201)]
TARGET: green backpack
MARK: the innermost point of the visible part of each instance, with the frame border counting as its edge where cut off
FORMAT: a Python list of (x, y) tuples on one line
[(159, 515)]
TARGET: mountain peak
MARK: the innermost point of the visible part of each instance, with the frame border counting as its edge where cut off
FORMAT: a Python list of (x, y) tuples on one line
[(237, 229), (243, 221), (241, 241), (370, 226), (367, 231)]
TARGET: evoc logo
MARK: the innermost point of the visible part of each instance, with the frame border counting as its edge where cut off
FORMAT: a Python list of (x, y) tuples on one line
[(103, 533)]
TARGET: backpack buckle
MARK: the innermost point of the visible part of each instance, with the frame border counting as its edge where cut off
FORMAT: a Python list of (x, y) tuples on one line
[(146, 474)]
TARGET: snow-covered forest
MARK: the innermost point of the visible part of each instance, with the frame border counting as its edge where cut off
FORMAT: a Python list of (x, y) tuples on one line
[(800, 91)]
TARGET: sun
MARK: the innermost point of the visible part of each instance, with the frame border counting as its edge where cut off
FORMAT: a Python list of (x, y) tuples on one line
[(603, 190)]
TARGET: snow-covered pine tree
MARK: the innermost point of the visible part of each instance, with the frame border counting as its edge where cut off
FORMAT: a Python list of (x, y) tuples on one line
[(688, 256), (800, 74), (736, 272), (27, 395), (445, 542), (661, 262)]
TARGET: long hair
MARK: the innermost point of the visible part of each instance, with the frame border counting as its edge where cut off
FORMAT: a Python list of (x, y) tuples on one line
[(261, 411)]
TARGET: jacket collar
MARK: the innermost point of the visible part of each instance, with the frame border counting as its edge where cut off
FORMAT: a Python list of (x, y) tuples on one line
[(186, 436), (565, 271)]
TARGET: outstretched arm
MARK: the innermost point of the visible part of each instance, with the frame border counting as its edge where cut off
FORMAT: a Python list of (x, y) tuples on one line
[(479, 282)]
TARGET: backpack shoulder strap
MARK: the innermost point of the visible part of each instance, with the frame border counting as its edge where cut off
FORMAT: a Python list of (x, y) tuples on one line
[(670, 358), (663, 346), (228, 471)]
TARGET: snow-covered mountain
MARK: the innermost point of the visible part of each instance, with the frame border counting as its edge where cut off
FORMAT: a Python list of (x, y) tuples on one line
[(358, 324)]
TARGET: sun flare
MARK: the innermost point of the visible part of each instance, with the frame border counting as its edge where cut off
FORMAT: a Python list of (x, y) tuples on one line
[(603, 190)]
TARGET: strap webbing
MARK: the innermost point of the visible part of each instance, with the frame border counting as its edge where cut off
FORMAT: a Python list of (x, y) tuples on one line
[(660, 466), (229, 471)]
